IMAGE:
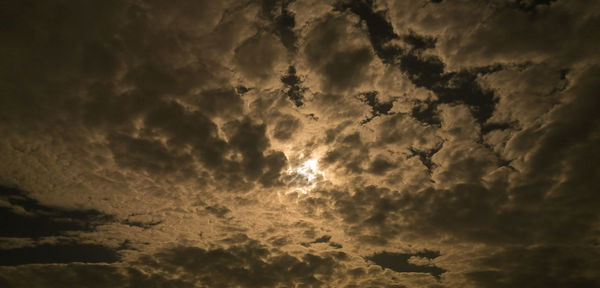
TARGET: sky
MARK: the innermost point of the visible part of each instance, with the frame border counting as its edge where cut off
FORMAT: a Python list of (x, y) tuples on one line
[(307, 143)]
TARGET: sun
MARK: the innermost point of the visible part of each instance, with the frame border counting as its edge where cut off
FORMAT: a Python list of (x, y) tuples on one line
[(306, 176), (309, 170)]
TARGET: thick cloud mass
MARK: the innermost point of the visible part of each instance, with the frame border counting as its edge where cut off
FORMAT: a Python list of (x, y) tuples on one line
[(280, 143)]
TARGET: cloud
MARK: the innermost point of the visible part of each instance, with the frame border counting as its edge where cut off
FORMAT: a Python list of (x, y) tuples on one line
[(536, 267), (399, 262), (295, 92), (251, 142), (25, 217), (285, 128), (339, 54), (257, 56), (163, 143), (248, 265), (58, 253), (510, 32), (78, 274)]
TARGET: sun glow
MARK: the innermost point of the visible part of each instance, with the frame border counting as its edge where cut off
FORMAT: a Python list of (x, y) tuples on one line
[(309, 170), (306, 176)]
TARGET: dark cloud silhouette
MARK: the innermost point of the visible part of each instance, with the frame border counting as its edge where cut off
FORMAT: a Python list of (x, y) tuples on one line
[(380, 166), (423, 71), (425, 156), (530, 6), (59, 275), (250, 140), (419, 42), (399, 262), (322, 239), (292, 82), (219, 211), (144, 225), (220, 103), (149, 155), (381, 32), (58, 253), (537, 267), (349, 153), (25, 217), (328, 51), (346, 68), (246, 265), (377, 108), (284, 27), (250, 63), (285, 128)]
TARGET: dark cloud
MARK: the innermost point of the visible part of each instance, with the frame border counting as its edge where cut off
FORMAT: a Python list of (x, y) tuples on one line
[(419, 42), (426, 112), (380, 165), (219, 211), (149, 155), (25, 217), (495, 126), (399, 262), (452, 87), (423, 71), (225, 103), (567, 43), (58, 253), (88, 275), (349, 153), (322, 239), (284, 27), (141, 224), (531, 5), (330, 51), (346, 68), (257, 56), (292, 82), (169, 129), (377, 108), (246, 265), (405, 131), (30, 223), (336, 245), (183, 128), (286, 127), (381, 32), (467, 211), (425, 156), (250, 140), (538, 267)]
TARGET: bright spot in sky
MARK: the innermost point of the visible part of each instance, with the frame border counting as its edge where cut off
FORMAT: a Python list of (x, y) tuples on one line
[(306, 175), (309, 170)]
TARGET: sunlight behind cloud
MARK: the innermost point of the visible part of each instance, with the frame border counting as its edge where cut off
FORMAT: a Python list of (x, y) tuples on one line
[(300, 143), (309, 170), (306, 176)]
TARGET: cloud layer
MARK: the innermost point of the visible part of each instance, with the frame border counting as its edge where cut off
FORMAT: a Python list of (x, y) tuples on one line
[(300, 144)]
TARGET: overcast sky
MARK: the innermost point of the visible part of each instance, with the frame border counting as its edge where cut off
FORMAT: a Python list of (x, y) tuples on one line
[(303, 143)]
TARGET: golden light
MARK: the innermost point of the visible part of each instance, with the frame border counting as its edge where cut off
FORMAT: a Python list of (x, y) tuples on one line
[(309, 170), (306, 176)]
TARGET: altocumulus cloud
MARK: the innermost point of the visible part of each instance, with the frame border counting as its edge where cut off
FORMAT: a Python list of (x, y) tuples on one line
[(278, 143)]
